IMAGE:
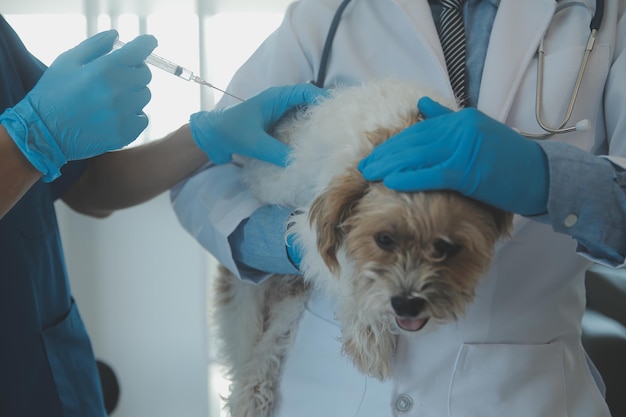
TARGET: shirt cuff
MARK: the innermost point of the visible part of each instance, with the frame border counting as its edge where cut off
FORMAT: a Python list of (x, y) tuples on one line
[(587, 201), (258, 244)]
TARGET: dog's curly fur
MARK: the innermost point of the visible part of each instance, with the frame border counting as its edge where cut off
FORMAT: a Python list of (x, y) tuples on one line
[(393, 261)]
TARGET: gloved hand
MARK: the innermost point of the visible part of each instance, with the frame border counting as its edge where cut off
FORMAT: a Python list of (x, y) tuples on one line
[(466, 151), (243, 128), (295, 251), (85, 104)]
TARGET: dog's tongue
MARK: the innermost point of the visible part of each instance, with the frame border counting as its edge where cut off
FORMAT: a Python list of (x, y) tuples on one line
[(411, 324)]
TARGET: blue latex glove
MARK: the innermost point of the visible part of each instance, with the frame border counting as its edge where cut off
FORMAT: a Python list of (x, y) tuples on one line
[(243, 128), (85, 104), (465, 151), (295, 252)]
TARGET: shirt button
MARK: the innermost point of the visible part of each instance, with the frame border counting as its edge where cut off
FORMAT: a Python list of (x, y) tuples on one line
[(570, 220), (403, 404)]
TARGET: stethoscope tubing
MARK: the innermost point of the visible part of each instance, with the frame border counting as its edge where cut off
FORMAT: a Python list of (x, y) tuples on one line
[(328, 44)]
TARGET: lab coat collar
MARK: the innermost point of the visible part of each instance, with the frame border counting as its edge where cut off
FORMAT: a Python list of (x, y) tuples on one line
[(420, 15), (515, 36), (517, 30)]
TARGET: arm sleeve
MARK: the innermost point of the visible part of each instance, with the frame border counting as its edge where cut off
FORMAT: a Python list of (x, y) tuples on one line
[(591, 209), (210, 205), (588, 193), (213, 203), (258, 243)]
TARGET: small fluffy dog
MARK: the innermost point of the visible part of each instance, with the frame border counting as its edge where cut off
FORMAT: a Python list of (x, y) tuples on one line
[(394, 262)]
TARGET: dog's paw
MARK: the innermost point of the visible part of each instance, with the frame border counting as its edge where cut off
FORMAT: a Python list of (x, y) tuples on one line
[(371, 351), (252, 399)]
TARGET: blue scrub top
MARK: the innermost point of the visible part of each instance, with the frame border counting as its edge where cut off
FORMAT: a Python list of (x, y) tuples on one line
[(47, 366)]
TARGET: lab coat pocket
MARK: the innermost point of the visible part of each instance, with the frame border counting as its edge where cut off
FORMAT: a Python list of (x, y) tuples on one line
[(73, 366), (498, 380)]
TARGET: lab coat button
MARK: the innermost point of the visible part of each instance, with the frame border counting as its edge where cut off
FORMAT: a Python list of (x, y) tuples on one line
[(570, 220), (403, 404)]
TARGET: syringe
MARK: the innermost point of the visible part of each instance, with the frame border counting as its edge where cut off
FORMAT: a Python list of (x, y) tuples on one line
[(176, 70)]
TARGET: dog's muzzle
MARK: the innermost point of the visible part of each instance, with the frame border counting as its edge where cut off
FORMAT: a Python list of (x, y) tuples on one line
[(407, 311)]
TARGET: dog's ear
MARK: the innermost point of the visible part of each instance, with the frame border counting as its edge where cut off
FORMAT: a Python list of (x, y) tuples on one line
[(503, 222), (330, 210)]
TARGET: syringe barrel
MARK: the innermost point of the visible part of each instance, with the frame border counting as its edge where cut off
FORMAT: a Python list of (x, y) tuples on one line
[(170, 67), (163, 63)]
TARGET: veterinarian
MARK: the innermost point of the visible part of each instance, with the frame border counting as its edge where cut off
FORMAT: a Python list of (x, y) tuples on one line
[(517, 352), (53, 124)]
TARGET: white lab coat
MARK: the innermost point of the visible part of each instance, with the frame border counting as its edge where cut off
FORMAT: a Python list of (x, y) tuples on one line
[(517, 352)]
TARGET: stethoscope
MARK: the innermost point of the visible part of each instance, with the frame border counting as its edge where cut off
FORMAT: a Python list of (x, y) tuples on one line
[(583, 125)]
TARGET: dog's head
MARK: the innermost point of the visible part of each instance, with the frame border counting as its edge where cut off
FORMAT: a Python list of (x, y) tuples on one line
[(414, 256)]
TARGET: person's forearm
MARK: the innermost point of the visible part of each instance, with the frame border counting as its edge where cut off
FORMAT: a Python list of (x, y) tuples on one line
[(132, 176), (17, 175)]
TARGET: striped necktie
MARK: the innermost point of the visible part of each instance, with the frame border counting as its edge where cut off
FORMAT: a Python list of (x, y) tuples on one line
[(452, 36)]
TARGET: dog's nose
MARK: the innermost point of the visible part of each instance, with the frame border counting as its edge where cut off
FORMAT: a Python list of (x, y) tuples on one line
[(407, 307)]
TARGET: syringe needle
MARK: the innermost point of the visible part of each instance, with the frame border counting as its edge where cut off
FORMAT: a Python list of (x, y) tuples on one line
[(175, 69), (208, 84)]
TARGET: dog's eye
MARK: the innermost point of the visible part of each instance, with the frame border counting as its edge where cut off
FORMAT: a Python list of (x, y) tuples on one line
[(444, 249), (385, 241)]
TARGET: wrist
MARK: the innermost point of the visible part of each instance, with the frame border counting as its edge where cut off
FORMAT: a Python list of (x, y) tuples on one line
[(196, 132), (33, 139), (539, 184), (199, 124), (17, 174)]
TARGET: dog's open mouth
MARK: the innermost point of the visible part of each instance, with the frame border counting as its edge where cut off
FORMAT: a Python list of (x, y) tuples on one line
[(411, 324)]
